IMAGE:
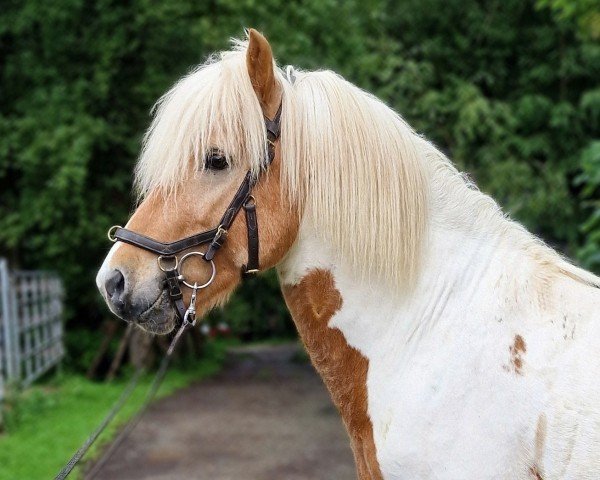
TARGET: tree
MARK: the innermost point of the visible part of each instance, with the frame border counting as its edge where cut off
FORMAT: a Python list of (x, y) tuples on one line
[(508, 91)]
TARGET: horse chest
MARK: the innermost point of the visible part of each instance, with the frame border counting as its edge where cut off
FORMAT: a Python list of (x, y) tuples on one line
[(441, 408), (434, 420)]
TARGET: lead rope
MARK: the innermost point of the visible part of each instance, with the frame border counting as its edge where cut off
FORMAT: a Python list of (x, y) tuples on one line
[(156, 382), (173, 279)]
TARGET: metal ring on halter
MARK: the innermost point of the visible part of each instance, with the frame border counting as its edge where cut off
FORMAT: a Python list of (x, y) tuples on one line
[(163, 258), (250, 201), (212, 275), (111, 232)]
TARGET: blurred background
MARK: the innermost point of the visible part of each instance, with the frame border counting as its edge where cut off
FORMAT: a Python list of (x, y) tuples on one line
[(509, 89)]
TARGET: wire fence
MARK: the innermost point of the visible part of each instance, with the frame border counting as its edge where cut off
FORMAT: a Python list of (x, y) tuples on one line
[(31, 330)]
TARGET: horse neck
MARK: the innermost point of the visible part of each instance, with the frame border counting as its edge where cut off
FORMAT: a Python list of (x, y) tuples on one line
[(465, 266), (356, 329)]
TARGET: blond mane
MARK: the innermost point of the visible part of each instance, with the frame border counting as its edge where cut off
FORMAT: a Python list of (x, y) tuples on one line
[(349, 162), (215, 100), (358, 172)]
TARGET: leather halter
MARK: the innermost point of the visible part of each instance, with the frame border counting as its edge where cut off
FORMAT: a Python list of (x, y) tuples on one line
[(215, 237)]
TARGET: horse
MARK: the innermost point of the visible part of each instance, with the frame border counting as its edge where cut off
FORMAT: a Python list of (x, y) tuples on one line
[(454, 343)]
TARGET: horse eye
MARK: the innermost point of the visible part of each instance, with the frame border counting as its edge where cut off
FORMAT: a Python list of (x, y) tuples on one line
[(215, 160)]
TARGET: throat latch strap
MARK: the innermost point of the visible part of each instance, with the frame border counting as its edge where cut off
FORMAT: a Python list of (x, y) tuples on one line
[(253, 265)]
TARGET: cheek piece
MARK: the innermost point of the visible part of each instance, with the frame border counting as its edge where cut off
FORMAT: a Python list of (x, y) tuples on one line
[(169, 262)]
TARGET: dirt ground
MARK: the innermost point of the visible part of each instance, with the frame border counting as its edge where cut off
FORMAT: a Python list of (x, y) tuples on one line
[(265, 417)]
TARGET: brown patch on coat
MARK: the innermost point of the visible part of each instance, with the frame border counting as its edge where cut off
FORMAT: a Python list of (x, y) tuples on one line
[(537, 469), (517, 349), (313, 302), (535, 473)]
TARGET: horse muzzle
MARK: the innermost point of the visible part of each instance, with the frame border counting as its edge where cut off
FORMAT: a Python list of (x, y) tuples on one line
[(149, 307)]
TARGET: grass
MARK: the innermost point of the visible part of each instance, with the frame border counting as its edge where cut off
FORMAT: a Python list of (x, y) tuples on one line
[(50, 421)]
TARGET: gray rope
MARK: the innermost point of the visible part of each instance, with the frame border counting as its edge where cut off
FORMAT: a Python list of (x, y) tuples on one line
[(160, 374), (96, 433), (156, 382)]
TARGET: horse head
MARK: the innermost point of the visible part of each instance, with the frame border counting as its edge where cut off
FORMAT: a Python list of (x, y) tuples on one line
[(208, 156)]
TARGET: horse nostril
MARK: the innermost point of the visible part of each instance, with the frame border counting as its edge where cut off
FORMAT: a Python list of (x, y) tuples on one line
[(115, 286)]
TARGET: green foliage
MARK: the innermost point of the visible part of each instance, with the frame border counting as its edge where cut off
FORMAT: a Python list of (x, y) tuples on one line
[(257, 316), (509, 88), (585, 12), (590, 180), (83, 344), (508, 92)]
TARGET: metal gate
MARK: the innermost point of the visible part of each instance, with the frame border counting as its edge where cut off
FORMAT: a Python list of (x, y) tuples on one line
[(31, 331)]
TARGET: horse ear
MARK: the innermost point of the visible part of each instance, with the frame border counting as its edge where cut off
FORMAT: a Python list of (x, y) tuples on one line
[(259, 61)]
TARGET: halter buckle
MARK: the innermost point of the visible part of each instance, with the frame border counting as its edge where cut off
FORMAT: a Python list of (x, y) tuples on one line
[(221, 231), (215, 244)]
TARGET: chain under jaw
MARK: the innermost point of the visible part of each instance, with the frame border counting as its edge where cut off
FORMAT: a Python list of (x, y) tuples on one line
[(171, 265)]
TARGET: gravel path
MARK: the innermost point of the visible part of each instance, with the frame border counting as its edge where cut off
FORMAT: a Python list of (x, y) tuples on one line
[(265, 417)]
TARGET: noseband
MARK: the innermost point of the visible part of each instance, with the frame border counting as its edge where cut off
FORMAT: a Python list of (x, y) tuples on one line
[(168, 261)]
